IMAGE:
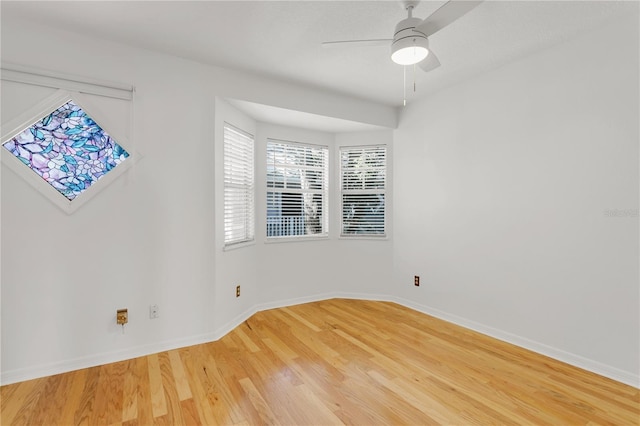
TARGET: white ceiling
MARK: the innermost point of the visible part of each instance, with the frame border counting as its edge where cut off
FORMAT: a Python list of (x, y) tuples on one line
[(303, 120), (282, 39)]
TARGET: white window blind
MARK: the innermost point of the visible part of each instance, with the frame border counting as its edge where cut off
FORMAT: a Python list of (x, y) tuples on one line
[(238, 186), (297, 189), (363, 173)]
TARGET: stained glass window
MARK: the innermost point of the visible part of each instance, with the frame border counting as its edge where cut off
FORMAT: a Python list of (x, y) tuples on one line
[(67, 149)]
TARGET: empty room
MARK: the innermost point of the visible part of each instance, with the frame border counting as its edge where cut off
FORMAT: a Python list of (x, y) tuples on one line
[(320, 212)]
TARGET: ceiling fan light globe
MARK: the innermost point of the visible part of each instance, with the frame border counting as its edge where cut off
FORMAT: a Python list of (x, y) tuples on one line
[(409, 55), (409, 50)]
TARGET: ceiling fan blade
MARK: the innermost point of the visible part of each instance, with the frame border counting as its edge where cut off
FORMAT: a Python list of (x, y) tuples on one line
[(446, 14), (373, 42), (431, 62)]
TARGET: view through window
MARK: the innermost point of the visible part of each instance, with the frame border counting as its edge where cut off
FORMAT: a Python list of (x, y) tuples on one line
[(363, 190), (297, 189)]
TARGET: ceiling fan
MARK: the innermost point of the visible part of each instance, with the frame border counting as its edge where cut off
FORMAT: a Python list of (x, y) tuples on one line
[(410, 42)]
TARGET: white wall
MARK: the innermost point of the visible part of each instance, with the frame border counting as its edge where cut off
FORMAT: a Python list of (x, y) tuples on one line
[(144, 239), (501, 188), (282, 272), (370, 261), (154, 235), (289, 271)]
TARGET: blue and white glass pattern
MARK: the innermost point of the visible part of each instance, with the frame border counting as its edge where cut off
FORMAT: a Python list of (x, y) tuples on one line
[(68, 150)]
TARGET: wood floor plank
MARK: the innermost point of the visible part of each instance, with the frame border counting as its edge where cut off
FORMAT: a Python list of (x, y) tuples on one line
[(143, 397), (330, 362), (174, 409), (231, 370), (21, 411), (317, 410), (264, 411), (194, 370), (114, 387), (292, 312), (182, 382), (211, 391), (130, 393), (248, 343), (225, 404), (158, 401), (190, 412), (43, 409), (363, 396), (100, 400), (275, 383), (85, 407), (69, 397)]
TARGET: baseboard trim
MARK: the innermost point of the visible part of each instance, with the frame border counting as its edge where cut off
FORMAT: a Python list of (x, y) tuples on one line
[(231, 324), (613, 373), (23, 374), (296, 301), (20, 375), (532, 345)]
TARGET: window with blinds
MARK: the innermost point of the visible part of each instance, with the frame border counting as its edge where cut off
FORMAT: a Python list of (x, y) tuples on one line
[(297, 189), (238, 186), (363, 173)]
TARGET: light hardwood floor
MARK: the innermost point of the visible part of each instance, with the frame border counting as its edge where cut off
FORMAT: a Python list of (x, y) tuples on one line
[(325, 363)]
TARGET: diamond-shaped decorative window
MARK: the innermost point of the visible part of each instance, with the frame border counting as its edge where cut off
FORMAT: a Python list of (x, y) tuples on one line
[(66, 148)]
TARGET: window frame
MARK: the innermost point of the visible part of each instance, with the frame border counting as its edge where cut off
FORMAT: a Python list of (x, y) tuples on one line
[(325, 191), (40, 110), (384, 191), (249, 234)]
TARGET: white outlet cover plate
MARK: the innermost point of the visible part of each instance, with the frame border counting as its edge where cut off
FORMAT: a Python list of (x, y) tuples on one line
[(154, 312)]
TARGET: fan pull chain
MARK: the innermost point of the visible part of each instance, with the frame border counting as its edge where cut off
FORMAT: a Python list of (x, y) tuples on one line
[(414, 78), (404, 87)]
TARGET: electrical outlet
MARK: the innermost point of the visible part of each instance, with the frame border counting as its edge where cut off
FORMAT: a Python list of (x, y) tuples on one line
[(237, 291), (154, 311), (416, 280), (122, 316)]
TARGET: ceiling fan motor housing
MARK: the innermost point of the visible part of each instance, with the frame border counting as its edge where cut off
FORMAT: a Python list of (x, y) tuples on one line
[(405, 37)]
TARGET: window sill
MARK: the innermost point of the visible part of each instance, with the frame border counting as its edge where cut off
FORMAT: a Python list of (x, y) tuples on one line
[(364, 237), (295, 239), (235, 246)]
